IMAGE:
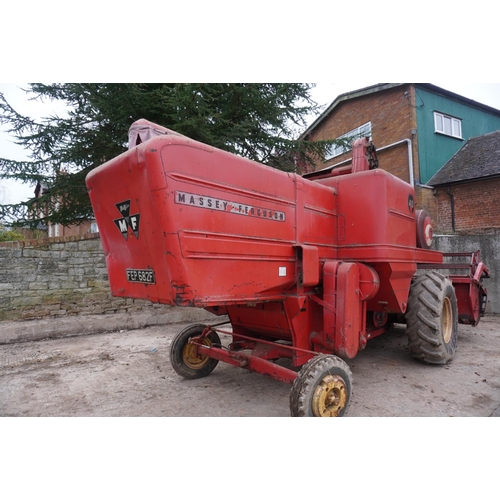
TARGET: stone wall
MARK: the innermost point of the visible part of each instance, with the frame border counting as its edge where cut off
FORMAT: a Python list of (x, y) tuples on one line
[(60, 277), (489, 245), (56, 277)]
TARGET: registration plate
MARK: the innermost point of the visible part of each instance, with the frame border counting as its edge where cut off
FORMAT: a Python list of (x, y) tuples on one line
[(140, 276)]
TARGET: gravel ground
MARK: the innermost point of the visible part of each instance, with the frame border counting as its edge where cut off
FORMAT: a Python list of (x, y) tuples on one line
[(128, 374)]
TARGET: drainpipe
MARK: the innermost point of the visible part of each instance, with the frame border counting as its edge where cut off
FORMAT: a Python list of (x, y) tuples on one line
[(452, 203), (410, 161), (410, 157)]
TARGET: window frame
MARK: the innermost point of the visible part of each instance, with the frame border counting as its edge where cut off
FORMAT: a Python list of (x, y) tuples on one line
[(453, 120), (355, 133)]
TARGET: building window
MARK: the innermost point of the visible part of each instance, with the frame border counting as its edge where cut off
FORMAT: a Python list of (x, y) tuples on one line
[(53, 230), (93, 227), (448, 125), (364, 130)]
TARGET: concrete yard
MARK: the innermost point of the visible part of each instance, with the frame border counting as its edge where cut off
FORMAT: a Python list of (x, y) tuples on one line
[(128, 374)]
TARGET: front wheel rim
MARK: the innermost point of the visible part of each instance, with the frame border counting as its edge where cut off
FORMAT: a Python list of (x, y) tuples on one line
[(330, 397), (191, 357)]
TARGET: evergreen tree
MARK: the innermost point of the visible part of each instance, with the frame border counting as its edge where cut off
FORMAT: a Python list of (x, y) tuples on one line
[(257, 121)]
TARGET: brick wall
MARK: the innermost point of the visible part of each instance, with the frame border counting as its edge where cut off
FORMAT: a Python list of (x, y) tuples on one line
[(393, 118), (58, 277), (477, 227), (426, 198), (59, 230), (477, 207)]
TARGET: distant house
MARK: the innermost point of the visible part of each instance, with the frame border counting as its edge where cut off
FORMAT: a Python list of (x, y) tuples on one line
[(53, 230), (468, 187), (416, 128)]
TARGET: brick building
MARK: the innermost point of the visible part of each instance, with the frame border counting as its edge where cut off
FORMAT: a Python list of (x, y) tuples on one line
[(468, 187), (86, 227), (59, 230), (416, 128)]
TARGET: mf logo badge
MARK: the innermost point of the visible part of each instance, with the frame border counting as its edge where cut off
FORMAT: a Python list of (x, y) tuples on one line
[(127, 221)]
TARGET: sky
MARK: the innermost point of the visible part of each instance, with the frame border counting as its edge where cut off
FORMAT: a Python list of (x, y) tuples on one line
[(324, 93)]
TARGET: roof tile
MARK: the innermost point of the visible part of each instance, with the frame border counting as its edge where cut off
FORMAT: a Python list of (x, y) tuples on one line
[(478, 158)]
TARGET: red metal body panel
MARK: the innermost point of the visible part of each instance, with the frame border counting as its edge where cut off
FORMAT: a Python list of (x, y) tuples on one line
[(374, 208), (469, 300), (209, 240), (348, 311), (376, 225)]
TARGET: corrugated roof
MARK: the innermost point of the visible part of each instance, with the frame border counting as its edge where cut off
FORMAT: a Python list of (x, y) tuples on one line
[(478, 159)]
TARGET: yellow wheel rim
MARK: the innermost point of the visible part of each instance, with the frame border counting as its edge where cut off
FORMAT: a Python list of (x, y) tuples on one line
[(330, 397), (447, 320), (191, 358)]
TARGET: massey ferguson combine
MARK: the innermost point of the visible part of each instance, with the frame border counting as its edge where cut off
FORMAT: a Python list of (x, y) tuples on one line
[(308, 269)]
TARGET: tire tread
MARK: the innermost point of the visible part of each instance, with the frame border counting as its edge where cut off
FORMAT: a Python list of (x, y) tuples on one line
[(308, 378), (424, 318)]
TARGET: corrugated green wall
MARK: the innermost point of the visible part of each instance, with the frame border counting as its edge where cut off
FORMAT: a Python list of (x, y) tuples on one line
[(434, 150)]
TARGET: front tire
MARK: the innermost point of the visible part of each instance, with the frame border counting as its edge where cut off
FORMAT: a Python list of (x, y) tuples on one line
[(322, 388), (184, 358), (432, 319)]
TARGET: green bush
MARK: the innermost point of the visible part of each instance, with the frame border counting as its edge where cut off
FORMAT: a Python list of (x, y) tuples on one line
[(10, 235)]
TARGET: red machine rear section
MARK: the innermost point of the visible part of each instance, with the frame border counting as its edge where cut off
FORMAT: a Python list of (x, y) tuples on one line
[(300, 266), (467, 272), (175, 210)]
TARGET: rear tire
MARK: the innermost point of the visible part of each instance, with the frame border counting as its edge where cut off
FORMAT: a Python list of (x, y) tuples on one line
[(322, 388), (432, 319)]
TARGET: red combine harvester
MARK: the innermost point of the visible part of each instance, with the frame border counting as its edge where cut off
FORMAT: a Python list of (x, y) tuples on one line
[(307, 269)]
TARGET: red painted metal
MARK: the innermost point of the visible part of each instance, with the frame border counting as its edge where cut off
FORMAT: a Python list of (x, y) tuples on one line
[(424, 229), (467, 272), (308, 263), (250, 362), (364, 156)]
